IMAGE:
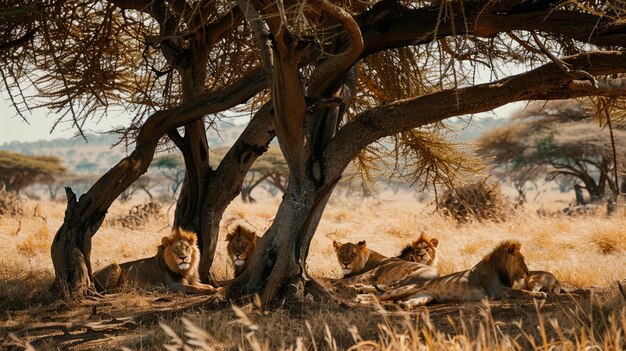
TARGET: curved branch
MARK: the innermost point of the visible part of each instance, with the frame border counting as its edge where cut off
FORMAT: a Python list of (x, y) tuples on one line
[(131, 167), (543, 83), (319, 82), (261, 34)]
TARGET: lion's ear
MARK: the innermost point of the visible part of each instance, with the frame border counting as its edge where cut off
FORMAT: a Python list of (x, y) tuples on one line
[(434, 242), (167, 241), (362, 244), (514, 247), (336, 245)]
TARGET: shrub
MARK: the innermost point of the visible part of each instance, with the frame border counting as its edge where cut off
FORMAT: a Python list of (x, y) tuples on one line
[(482, 200)]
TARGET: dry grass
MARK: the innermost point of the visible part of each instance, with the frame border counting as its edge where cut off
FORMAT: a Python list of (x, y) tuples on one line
[(583, 252)]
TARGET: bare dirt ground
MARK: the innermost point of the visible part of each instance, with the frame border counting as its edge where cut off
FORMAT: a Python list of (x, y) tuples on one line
[(587, 254)]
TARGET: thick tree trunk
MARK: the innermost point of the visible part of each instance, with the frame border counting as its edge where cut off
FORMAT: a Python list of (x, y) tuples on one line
[(206, 193), (278, 266), (71, 249)]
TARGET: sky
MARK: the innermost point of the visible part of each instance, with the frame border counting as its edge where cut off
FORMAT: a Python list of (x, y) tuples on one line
[(39, 126), (14, 128)]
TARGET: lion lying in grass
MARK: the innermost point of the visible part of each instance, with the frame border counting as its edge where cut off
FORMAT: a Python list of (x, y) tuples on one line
[(493, 277), (174, 267), (362, 266)]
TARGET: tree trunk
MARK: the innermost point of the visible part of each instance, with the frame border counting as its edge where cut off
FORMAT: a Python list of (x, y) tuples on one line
[(278, 266), (71, 249)]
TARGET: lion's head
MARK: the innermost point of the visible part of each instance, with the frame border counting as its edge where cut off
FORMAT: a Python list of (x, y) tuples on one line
[(508, 262), (422, 250), (352, 257), (241, 244), (180, 252)]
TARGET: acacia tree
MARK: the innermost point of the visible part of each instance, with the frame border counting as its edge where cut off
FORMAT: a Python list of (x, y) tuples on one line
[(18, 171), (558, 141), (269, 168), (341, 76)]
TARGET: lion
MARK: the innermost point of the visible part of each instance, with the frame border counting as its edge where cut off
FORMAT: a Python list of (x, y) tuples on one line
[(493, 277), (174, 267), (241, 244), (539, 281), (361, 265), (423, 250)]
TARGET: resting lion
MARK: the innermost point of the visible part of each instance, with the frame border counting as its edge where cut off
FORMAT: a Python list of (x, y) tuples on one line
[(492, 277), (241, 244), (423, 250), (174, 267), (539, 281), (361, 265)]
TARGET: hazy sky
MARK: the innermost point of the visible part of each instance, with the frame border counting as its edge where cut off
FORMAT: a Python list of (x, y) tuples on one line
[(13, 127)]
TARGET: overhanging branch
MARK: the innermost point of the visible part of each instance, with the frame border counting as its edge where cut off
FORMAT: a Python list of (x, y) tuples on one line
[(544, 83)]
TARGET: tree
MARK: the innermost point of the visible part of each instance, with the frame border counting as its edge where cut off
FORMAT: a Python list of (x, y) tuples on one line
[(172, 167), (18, 171), (269, 168), (558, 141), (333, 81)]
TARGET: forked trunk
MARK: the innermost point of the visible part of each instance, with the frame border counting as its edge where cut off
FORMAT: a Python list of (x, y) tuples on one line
[(71, 249), (278, 266)]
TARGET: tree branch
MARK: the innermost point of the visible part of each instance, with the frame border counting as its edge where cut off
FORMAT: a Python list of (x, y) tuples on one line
[(543, 83), (319, 82)]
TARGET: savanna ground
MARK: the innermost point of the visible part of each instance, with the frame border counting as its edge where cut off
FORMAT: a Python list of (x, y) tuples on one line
[(587, 254)]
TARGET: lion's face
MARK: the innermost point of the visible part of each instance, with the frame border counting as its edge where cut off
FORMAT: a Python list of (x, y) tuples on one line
[(509, 263), (241, 245), (351, 257), (181, 252), (423, 250)]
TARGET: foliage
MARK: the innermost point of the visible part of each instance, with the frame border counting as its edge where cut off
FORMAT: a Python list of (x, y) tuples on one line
[(10, 204), (138, 216), (482, 201), (556, 141), (18, 171)]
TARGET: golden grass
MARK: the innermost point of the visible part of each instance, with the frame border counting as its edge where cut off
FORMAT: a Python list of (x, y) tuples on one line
[(584, 252)]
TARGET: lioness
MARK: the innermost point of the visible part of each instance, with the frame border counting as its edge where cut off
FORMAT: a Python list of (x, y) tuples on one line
[(174, 267), (241, 244), (364, 266), (492, 277), (539, 281)]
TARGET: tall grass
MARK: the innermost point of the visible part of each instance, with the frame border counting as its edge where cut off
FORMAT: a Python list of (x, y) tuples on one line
[(582, 252), (573, 330)]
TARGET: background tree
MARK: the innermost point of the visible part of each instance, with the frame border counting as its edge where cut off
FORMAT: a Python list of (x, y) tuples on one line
[(345, 80), (270, 169), (18, 171), (172, 167), (557, 141)]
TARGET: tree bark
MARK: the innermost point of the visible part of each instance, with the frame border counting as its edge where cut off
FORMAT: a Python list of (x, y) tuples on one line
[(278, 267)]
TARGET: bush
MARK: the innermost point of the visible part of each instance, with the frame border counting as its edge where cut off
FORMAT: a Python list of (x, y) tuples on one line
[(10, 204), (138, 216), (482, 200)]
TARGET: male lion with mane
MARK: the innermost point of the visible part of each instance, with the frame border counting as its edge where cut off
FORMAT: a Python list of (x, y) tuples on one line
[(423, 250), (174, 267), (241, 244), (492, 277)]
